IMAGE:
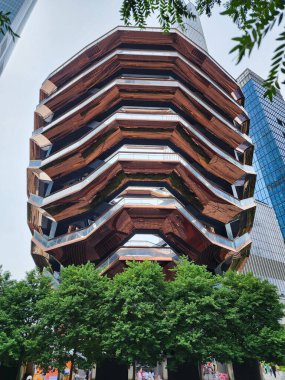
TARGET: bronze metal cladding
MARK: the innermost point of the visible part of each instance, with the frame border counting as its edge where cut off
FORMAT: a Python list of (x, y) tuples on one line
[(141, 132)]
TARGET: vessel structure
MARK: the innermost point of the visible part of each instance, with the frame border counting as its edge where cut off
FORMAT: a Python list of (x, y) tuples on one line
[(140, 151)]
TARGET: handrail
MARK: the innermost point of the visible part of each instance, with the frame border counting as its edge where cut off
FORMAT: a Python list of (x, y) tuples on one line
[(145, 52), (153, 29), (116, 255), (137, 116), (234, 244), (137, 156), (144, 82)]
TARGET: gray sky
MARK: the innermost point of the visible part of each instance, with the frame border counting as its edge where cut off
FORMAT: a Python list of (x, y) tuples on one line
[(56, 30)]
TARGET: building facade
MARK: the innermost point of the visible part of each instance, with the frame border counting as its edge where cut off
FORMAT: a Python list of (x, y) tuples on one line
[(193, 28), (141, 151), (268, 134), (267, 255), (19, 10)]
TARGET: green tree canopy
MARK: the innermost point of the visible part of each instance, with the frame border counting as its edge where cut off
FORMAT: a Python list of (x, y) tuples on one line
[(139, 316), (257, 333), (232, 318), (134, 313), (70, 326), (18, 315), (5, 279), (198, 316)]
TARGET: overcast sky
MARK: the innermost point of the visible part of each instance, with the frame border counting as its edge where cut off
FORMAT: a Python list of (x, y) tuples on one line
[(56, 30)]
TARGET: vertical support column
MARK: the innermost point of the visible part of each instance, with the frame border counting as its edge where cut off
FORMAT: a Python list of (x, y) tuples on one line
[(130, 372), (93, 372), (164, 369), (231, 371)]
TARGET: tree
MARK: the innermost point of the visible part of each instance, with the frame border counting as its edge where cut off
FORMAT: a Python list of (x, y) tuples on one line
[(5, 279), (134, 313), (70, 323), (198, 316), (18, 316), (168, 12), (138, 315), (257, 331), (232, 318)]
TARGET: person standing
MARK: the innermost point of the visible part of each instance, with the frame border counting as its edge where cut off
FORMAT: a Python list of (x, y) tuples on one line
[(214, 364), (273, 368), (139, 375)]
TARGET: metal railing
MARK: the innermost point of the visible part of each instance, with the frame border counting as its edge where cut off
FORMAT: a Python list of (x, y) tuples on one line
[(152, 53), (146, 251), (146, 117), (151, 83), (120, 155), (235, 244)]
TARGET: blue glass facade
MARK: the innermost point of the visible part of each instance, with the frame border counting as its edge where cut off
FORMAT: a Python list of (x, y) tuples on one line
[(19, 12), (12, 6), (267, 255), (267, 130)]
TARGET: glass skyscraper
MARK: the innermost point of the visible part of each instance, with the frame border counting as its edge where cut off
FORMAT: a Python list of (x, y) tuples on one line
[(193, 28), (267, 255), (268, 134), (19, 13)]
